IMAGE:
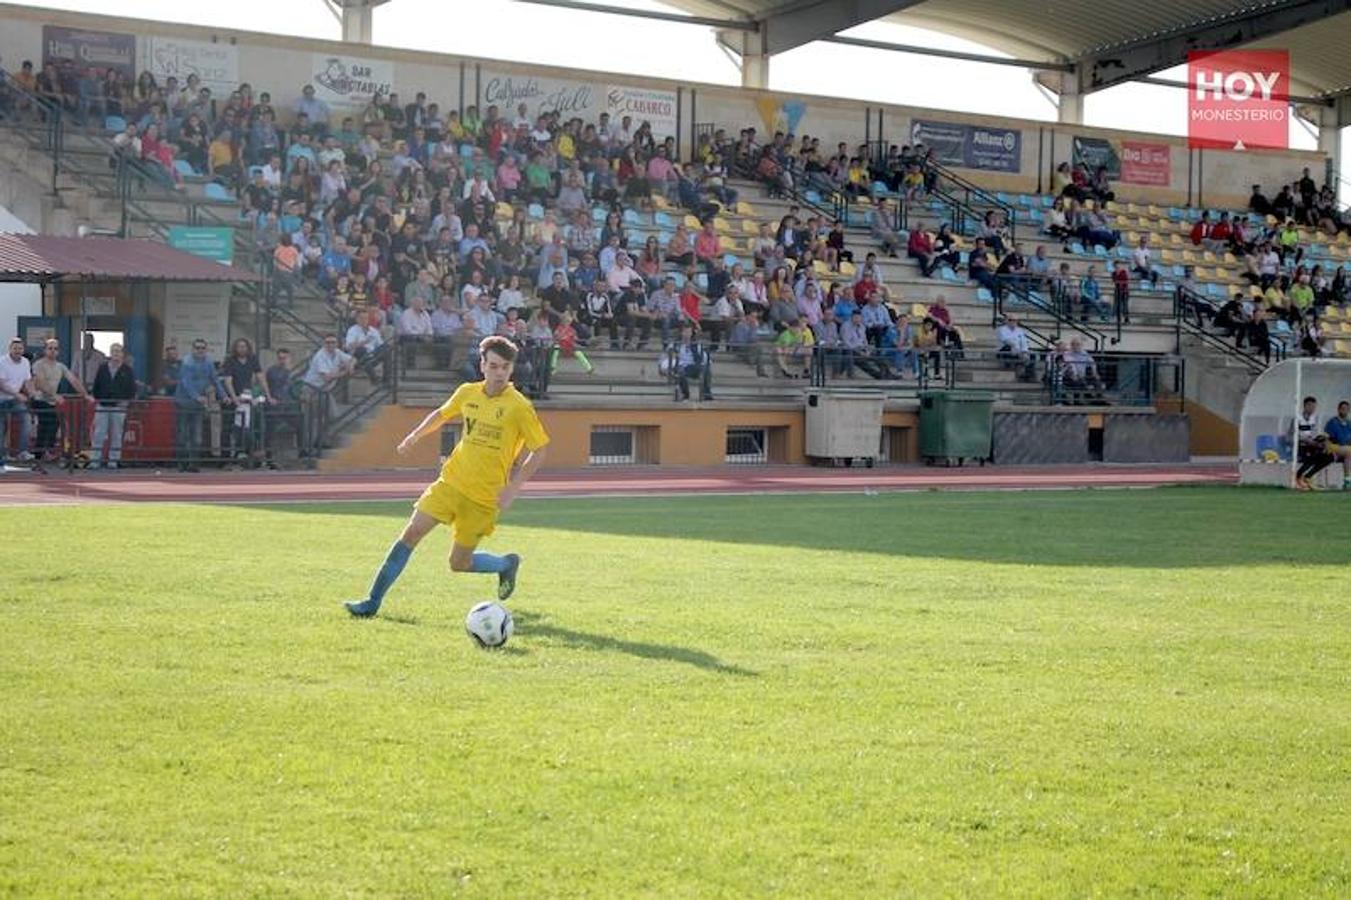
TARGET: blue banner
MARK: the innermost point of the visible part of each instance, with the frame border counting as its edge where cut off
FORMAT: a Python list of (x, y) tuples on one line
[(970, 146)]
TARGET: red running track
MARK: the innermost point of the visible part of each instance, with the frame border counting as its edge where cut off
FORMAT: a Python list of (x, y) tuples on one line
[(27, 488)]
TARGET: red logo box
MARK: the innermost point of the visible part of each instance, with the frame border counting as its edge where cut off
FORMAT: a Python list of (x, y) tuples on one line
[(1238, 99)]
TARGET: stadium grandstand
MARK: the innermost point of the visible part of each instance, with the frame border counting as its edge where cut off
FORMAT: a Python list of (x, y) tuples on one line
[(663, 250)]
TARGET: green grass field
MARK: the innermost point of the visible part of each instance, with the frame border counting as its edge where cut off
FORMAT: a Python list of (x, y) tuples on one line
[(1078, 693)]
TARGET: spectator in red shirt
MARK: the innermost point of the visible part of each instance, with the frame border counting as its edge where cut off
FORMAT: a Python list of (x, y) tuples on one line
[(920, 247), (1121, 283), (1202, 229)]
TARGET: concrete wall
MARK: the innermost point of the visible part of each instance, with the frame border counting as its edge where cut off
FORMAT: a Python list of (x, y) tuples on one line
[(280, 64), (684, 436)]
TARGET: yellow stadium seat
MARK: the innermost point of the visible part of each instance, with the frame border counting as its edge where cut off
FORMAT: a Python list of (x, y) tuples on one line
[(1168, 256), (1133, 207), (1175, 239), (1332, 314), (693, 222), (1342, 239), (1153, 210), (918, 310), (1132, 237), (847, 269), (1230, 258), (1111, 206), (749, 226), (1271, 220), (1254, 292), (721, 225), (505, 211), (1201, 273), (820, 268), (660, 202), (745, 209), (1189, 256), (1207, 256), (1089, 203)]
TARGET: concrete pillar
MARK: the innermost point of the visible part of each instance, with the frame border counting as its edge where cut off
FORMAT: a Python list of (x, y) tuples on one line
[(750, 46), (1330, 124), (1071, 108), (356, 24), (755, 70)]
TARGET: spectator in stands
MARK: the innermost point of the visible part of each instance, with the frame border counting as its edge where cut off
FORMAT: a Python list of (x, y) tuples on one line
[(16, 388), (315, 110), (1064, 291), (1142, 259), (1091, 227), (198, 385), (691, 361), (978, 265), (327, 368), (415, 328), (1057, 223), (1311, 336), (361, 342), (483, 320), (1015, 349), (565, 345), (747, 339), (1230, 319), (1012, 270), (993, 232), (793, 349), (1121, 288), (899, 347), (827, 339), (919, 247), (856, 350), (708, 245), (1090, 294), (948, 333), (1258, 202), (1080, 372), (1201, 231), (1101, 187), (927, 343)]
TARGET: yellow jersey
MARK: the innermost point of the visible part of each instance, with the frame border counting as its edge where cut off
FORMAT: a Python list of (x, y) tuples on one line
[(495, 431)]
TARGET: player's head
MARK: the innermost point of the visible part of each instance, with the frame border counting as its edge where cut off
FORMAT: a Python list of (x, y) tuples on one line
[(498, 357), (1310, 404)]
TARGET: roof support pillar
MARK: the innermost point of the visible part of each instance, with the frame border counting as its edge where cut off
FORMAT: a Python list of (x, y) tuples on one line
[(750, 47), (357, 22), (1070, 107), (1330, 125)]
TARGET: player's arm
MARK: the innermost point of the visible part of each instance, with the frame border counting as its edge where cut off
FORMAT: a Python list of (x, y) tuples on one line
[(433, 422), (523, 472)]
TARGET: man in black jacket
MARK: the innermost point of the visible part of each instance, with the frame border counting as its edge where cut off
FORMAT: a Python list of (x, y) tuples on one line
[(114, 388)]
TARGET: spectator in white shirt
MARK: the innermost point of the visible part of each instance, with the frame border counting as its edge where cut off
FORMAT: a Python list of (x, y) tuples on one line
[(623, 274), (510, 297), (1015, 349), (16, 385), (1142, 260), (482, 318), (415, 327), (362, 340)]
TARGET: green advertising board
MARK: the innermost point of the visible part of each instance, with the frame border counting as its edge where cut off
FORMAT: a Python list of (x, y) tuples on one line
[(208, 243)]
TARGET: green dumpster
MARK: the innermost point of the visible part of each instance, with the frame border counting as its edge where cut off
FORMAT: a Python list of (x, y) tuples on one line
[(956, 425)]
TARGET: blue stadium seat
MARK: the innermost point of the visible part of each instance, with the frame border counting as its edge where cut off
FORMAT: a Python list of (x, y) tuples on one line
[(701, 281), (466, 150), (949, 275), (1123, 252), (598, 214), (1001, 197), (290, 224), (1077, 248), (1214, 290), (631, 217), (254, 170), (215, 191), (1100, 250), (115, 123), (535, 211), (880, 189), (984, 295), (184, 168), (1179, 270), (678, 278), (1272, 443), (1047, 201), (661, 219), (731, 259), (812, 196)]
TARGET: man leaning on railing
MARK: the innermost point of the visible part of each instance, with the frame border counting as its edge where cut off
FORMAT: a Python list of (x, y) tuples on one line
[(114, 389)]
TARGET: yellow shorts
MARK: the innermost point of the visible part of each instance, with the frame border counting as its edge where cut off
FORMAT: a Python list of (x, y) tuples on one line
[(469, 521)]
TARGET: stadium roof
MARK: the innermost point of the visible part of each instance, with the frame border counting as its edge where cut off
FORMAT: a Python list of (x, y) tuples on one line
[(1112, 41), (37, 258)]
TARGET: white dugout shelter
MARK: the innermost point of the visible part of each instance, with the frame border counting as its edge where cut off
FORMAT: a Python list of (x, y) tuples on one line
[(1267, 429)]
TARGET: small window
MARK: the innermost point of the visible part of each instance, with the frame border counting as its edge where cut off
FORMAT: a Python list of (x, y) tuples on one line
[(747, 446), (612, 445)]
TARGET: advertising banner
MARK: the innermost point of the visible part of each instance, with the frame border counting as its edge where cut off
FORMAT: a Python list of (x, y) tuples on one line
[(216, 64), (970, 146), (90, 49), (347, 83)]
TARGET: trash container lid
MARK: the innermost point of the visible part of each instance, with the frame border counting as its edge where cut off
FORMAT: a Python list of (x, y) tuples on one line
[(958, 395)]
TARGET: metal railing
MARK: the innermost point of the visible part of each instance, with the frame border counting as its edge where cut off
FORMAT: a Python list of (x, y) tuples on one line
[(1014, 290), (49, 119), (1189, 309), (966, 198)]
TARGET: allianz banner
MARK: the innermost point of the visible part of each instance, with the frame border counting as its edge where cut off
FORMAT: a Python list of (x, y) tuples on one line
[(970, 146)]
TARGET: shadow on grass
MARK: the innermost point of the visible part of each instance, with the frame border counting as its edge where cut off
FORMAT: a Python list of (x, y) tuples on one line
[(534, 624), (1181, 527)]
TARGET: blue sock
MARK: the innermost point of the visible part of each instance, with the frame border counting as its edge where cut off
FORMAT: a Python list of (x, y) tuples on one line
[(390, 571), (487, 562)]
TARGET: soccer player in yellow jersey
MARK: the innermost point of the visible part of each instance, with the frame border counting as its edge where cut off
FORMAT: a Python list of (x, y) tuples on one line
[(501, 446)]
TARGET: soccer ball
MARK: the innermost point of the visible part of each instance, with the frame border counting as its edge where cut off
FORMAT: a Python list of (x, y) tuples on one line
[(489, 624)]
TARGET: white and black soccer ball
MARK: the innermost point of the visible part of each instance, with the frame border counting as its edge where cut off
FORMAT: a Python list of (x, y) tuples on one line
[(489, 624)]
